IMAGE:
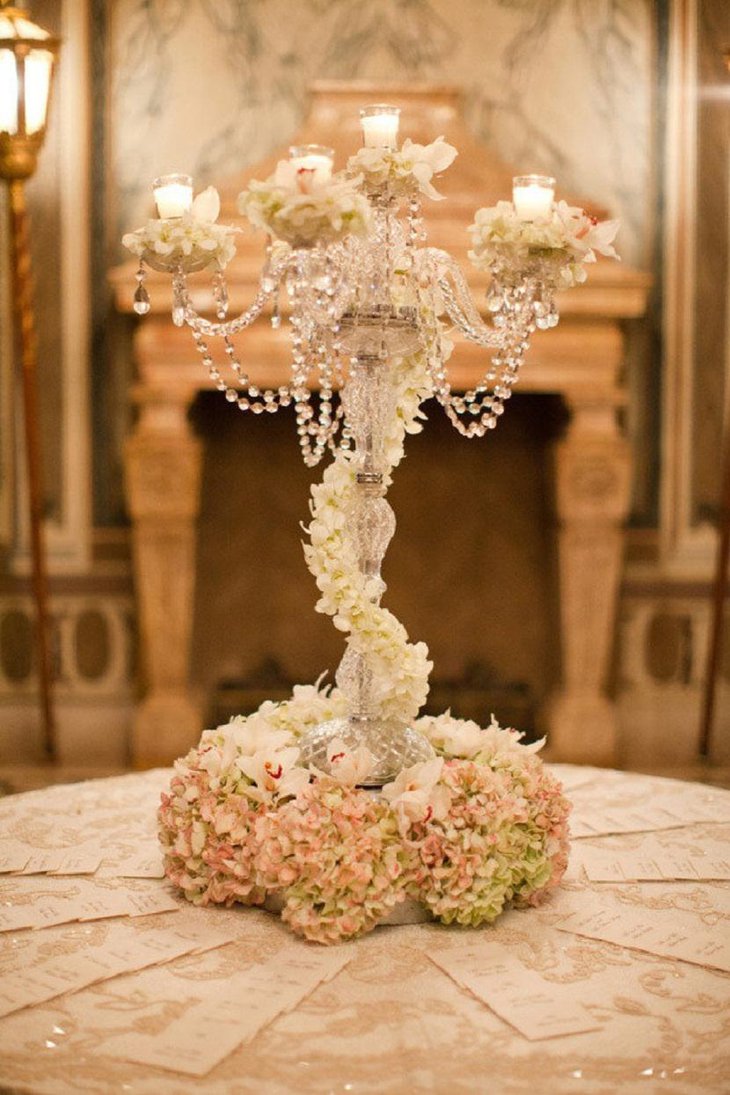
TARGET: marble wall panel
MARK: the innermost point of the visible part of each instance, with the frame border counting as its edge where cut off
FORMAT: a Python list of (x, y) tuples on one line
[(212, 86)]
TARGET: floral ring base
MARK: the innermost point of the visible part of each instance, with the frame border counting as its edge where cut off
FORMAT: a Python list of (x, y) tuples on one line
[(459, 838)]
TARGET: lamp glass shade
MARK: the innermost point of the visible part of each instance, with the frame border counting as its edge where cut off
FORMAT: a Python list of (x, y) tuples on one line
[(38, 69), (27, 53), (8, 92)]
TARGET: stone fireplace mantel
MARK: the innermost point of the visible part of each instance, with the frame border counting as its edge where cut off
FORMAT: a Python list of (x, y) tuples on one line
[(582, 361)]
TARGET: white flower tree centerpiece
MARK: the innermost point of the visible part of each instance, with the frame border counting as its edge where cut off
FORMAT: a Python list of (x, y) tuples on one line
[(371, 311)]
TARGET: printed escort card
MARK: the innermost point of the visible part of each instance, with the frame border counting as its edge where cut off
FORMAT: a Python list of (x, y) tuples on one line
[(651, 862), (233, 1012), (43, 981), (662, 811), (47, 912), (537, 1008), (669, 933), (84, 860)]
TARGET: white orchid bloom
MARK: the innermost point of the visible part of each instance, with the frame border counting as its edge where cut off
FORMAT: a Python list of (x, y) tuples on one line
[(206, 206), (600, 237), (275, 772), (250, 735), (457, 737), (414, 795), (349, 767), (428, 160)]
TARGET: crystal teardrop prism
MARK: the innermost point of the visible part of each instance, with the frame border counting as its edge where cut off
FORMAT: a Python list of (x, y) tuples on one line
[(141, 300)]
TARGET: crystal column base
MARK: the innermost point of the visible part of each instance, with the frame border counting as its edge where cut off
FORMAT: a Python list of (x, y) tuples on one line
[(394, 746)]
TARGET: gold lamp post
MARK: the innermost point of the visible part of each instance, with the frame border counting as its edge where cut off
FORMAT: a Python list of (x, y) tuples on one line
[(27, 57)]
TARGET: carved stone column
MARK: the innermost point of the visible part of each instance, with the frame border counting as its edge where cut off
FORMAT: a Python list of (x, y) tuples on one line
[(162, 469), (592, 469)]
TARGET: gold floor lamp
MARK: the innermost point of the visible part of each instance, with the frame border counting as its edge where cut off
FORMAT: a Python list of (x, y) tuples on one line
[(27, 57)]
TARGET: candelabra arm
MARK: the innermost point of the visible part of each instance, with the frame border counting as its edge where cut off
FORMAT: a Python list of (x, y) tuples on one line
[(184, 312), (458, 302)]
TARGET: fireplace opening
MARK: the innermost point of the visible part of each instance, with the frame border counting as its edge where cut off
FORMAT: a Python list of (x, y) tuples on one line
[(471, 569)]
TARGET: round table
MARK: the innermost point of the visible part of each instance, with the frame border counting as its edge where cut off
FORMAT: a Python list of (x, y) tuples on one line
[(391, 1020)]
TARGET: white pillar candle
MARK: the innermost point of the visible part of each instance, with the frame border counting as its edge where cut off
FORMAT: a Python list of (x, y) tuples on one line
[(380, 126), (315, 158), (173, 195), (532, 196)]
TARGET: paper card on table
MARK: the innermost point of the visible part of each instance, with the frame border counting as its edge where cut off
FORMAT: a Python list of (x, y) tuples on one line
[(537, 1008), (13, 857), (664, 811), (649, 863), (44, 914), (141, 866), (232, 1013), (669, 933), (155, 901), (100, 905), (80, 861), (43, 862), (44, 981)]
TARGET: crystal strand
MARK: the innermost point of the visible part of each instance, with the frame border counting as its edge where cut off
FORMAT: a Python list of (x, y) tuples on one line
[(178, 296), (220, 292), (141, 302)]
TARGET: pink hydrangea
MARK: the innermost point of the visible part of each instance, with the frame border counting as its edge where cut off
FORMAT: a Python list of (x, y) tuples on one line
[(503, 838), (208, 839), (336, 856)]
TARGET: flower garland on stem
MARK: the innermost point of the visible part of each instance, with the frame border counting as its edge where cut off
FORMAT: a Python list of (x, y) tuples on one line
[(400, 669)]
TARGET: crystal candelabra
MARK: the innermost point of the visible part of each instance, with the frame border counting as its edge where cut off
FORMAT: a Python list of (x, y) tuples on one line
[(346, 263)]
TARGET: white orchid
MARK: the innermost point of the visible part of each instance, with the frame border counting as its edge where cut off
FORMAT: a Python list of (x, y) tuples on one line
[(415, 795), (428, 160), (253, 733), (586, 233), (454, 737), (466, 740), (206, 206), (349, 766), (411, 167), (274, 772)]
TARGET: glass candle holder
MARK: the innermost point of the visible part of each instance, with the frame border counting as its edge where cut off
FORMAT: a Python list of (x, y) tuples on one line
[(533, 196), (173, 195), (315, 158), (380, 125)]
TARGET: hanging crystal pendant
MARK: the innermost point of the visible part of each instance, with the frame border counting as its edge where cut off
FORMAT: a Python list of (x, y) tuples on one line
[(141, 300)]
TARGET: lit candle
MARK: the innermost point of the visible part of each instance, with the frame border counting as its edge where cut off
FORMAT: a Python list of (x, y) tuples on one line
[(315, 158), (533, 196), (380, 126), (173, 195)]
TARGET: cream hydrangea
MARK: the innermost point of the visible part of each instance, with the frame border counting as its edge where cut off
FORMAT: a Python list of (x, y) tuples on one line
[(194, 236), (408, 169), (300, 209), (562, 242)]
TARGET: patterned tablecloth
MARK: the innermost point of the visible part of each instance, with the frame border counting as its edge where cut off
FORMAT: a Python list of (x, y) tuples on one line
[(391, 1020)]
